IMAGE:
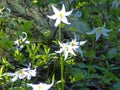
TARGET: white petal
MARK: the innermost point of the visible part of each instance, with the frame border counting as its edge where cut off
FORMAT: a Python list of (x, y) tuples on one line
[(63, 8), (60, 51), (22, 76), (8, 74), (23, 39), (105, 34), (97, 35), (34, 86), (47, 86), (58, 21), (55, 10), (21, 47), (28, 77), (64, 20), (82, 42), (14, 78), (68, 13), (66, 55), (33, 72), (27, 42), (16, 43), (61, 44), (72, 52), (80, 51), (41, 86), (108, 30), (92, 32), (52, 17)]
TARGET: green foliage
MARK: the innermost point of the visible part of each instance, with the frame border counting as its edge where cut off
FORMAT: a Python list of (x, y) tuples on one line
[(21, 88), (98, 69)]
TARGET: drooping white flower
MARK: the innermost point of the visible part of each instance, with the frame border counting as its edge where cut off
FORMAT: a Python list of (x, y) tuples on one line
[(22, 73), (65, 48), (60, 16), (100, 31), (4, 12), (116, 4), (19, 43), (41, 86)]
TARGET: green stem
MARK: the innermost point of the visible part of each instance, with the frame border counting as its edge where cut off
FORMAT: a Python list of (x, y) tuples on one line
[(59, 32), (90, 63), (12, 86), (61, 60), (62, 69), (91, 59)]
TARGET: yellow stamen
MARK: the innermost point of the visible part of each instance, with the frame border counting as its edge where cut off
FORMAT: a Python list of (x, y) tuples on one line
[(100, 29), (20, 72), (61, 15)]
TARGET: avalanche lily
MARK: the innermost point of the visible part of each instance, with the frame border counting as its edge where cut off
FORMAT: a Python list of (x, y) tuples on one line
[(30, 73), (41, 86), (22, 40), (70, 47), (3, 10), (100, 31), (22, 73), (17, 75), (60, 16), (66, 49), (76, 45), (116, 3)]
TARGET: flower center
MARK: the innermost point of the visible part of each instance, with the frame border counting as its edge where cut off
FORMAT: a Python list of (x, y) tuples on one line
[(61, 15), (100, 29), (73, 44), (66, 48), (39, 87), (20, 41), (20, 72)]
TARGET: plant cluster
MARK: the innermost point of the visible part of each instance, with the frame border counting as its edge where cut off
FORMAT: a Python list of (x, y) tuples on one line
[(60, 45)]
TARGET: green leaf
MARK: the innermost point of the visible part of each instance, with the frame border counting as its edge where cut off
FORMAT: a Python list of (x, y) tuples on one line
[(21, 88), (53, 1), (6, 43), (2, 35), (27, 25), (77, 74)]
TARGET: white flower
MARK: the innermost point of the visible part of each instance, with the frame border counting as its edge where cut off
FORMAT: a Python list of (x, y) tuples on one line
[(30, 73), (70, 47), (119, 18), (76, 45), (17, 75), (22, 73), (60, 16), (66, 49), (4, 9), (100, 31), (41, 86), (116, 3), (22, 40)]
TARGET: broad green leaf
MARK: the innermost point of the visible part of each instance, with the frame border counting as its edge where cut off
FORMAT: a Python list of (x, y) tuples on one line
[(27, 26)]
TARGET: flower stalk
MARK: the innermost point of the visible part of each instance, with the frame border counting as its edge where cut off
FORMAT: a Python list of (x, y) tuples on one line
[(61, 60), (62, 69)]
